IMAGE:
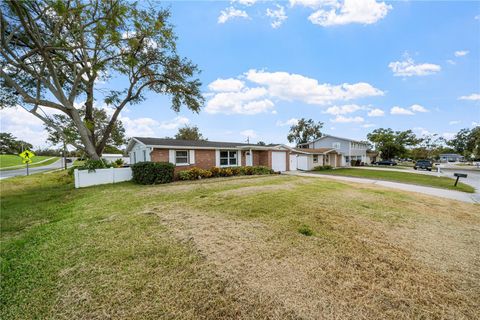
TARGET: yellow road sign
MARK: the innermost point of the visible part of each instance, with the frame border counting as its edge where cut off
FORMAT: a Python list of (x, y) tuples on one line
[(27, 155), (27, 161)]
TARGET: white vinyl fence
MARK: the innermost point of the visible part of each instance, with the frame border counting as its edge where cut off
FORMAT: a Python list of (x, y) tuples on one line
[(83, 178)]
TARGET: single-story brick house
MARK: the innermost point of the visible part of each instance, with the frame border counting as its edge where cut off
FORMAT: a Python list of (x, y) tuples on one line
[(186, 154)]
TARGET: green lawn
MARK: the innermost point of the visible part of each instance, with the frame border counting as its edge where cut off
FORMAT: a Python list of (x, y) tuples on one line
[(11, 161), (271, 247), (405, 177)]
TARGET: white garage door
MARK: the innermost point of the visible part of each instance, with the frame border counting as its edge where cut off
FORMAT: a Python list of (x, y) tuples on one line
[(279, 161), (293, 162), (302, 162)]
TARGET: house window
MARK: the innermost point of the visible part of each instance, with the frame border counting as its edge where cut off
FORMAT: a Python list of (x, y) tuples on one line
[(134, 157), (315, 158), (336, 145), (181, 156), (144, 155), (228, 158)]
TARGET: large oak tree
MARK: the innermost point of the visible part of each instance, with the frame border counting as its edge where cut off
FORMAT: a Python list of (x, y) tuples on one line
[(54, 54)]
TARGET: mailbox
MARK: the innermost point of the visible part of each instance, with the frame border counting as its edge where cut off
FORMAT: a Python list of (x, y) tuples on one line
[(459, 175)]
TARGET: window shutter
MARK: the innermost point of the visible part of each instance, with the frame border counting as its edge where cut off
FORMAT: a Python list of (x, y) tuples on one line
[(217, 158), (171, 156), (192, 156)]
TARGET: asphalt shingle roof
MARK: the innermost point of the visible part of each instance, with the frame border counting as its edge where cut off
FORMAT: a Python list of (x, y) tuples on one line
[(190, 143)]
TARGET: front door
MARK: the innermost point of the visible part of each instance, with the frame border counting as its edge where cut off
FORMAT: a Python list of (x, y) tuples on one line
[(249, 157)]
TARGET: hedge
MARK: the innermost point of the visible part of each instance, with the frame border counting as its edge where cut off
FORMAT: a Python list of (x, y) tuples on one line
[(321, 168), (153, 172), (197, 173)]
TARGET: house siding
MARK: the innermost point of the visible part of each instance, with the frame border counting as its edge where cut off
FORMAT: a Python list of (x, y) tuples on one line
[(346, 148)]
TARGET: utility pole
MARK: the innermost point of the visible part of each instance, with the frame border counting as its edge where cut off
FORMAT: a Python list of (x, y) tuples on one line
[(248, 140)]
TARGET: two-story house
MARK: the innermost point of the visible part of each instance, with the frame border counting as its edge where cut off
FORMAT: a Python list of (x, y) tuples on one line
[(331, 150)]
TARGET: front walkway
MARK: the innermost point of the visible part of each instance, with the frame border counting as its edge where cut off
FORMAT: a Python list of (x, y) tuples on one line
[(443, 193)]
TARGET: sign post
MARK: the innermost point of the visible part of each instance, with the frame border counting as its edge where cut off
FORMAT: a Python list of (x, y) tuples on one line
[(27, 156)]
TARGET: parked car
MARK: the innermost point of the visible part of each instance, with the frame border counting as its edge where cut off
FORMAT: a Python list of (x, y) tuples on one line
[(386, 163), (423, 164)]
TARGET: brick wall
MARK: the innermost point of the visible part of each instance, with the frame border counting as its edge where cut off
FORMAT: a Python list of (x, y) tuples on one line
[(159, 155), (204, 159)]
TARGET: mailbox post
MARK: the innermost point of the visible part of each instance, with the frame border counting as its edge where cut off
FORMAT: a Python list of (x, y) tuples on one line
[(459, 175)]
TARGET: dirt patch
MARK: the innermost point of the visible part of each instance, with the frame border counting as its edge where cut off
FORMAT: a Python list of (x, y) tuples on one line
[(364, 275)]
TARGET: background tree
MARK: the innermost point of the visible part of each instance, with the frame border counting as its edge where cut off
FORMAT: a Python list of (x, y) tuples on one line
[(53, 54), (467, 142), (70, 135), (261, 143), (189, 133), (391, 143), (304, 131), (11, 145)]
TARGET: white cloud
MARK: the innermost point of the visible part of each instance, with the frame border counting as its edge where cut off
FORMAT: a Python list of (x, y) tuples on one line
[(245, 2), (230, 99), (401, 111), (334, 13), (278, 16), (342, 119), (454, 122), (418, 108), (23, 125), (349, 108), (226, 85), (230, 13), (461, 53), (149, 127), (314, 4), (422, 131), (472, 97), (368, 125), (408, 68), (451, 62), (475, 124), (249, 133), (290, 86), (376, 113), (448, 135), (289, 122), (248, 101)]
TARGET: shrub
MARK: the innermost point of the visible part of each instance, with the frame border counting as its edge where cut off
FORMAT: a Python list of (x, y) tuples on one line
[(321, 168), (92, 165), (226, 172), (153, 172), (119, 162), (215, 172), (305, 230), (194, 174), (258, 170)]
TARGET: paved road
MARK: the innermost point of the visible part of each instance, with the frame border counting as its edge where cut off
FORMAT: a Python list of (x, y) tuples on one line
[(22, 172), (443, 193), (473, 178)]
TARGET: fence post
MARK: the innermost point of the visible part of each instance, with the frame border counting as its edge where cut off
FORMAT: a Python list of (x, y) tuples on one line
[(113, 174), (77, 178)]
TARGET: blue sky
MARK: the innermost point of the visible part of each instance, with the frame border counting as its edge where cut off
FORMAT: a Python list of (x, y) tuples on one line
[(354, 65)]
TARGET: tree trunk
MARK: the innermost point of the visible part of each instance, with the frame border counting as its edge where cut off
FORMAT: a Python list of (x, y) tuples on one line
[(84, 135)]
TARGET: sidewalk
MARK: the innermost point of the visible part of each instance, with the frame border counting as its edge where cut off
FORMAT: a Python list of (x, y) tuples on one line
[(443, 193)]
